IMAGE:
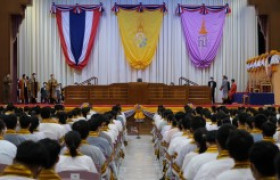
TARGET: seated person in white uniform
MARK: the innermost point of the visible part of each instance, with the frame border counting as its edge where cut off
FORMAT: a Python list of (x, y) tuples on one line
[(200, 141), (53, 149), (262, 155), (62, 119), (239, 143), (73, 159), (7, 149), (209, 155), (86, 112), (223, 162), (185, 148), (90, 150), (242, 118), (268, 130), (259, 119), (49, 126), (77, 112), (28, 162), (11, 135), (34, 128), (25, 123)]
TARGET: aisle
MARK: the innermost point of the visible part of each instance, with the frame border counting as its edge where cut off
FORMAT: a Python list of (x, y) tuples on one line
[(140, 162)]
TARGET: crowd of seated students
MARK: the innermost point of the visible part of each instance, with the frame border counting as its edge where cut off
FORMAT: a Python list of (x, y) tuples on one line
[(40, 143), (218, 143)]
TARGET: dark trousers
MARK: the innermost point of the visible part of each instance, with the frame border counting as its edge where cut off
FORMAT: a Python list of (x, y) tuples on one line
[(25, 96), (213, 96)]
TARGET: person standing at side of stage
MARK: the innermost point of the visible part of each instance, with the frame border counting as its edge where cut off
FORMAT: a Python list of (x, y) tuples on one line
[(23, 89), (225, 89), (233, 90), (52, 84), (35, 86), (7, 81), (212, 84)]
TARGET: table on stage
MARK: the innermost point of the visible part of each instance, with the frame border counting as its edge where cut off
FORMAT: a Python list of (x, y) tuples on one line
[(255, 98), (137, 93)]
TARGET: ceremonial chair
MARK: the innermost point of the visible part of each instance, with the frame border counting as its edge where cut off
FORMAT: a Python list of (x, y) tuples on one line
[(78, 175)]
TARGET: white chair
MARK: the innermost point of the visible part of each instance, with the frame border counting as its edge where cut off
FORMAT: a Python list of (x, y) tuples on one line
[(79, 175)]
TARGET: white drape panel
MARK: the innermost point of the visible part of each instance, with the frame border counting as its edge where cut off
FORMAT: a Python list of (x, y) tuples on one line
[(39, 48)]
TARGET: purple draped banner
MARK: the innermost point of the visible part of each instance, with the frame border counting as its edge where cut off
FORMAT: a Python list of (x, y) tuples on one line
[(203, 30)]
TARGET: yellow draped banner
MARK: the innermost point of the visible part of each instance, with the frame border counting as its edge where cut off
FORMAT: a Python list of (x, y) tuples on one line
[(140, 32)]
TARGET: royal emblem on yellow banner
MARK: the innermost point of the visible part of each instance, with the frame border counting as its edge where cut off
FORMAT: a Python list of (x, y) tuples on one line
[(139, 27)]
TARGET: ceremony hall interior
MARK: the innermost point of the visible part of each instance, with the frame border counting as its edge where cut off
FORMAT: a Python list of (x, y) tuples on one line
[(140, 89)]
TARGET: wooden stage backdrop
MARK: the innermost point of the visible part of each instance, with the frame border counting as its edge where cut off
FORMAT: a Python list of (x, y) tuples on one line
[(137, 93)]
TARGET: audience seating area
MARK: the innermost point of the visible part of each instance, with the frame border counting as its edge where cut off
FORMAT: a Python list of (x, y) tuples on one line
[(77, 144)]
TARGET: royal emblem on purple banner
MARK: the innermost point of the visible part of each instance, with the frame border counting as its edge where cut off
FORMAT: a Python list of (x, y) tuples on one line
[(203, 30)]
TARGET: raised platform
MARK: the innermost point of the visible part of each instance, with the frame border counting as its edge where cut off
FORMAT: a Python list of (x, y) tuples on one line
[(137, 93)]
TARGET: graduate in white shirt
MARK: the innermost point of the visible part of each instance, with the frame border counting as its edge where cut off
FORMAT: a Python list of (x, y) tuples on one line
[(200, 141), (209, 155), (30, 159), (223, 162), (73, 159), (186, 147), (262, 156), (62, 119), (239, 143), (53, 149), (82, 127), (7, 149), (49, 126), (25, 123), (77, 113), (34, 128)]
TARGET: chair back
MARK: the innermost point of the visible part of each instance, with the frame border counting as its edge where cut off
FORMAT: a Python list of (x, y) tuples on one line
[(2, 167), (78, 175)]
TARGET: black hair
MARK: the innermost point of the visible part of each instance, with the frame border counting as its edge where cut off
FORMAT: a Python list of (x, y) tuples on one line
[(211, 136), (32, 154), (268, 129), (197, 122), (262, 155), (53, 148), (232, 80), (24, 121), (77, 112), (200, 139), (85, 111), (82, 128), (185, 123), (34, 123), (2, 126), (179, 116), (70, 114), (242, 118), (59, 107), (169, 117), (259, 120), (223, 133), (73, 141), (167, 112), (10, 121), (10, 107), (46, 112), (62, 117), (93, 124), (239, 143)]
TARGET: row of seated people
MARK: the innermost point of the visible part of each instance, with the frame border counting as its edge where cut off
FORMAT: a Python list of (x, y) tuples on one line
[(41, 142), (217, 143)]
